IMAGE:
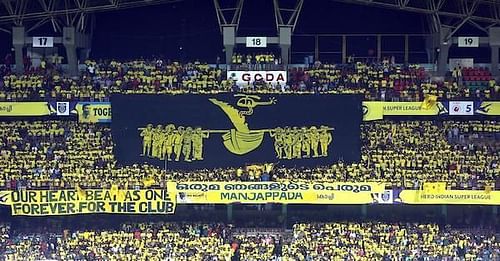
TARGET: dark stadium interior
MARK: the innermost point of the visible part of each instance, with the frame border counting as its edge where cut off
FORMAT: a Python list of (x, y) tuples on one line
[(250, 130)]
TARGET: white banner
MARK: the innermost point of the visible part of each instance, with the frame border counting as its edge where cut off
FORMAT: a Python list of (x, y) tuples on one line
[(243, 77), (461, 108), (461, 62)]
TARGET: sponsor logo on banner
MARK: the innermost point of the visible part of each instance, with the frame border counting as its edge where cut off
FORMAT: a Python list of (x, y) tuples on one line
[(488, 108), (461, 108), (62, 108), (385, 197), (458, 197), (244, 77)]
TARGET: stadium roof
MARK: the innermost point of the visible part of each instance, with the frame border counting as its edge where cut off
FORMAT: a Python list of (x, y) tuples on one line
[(482, 14), (65, 12)]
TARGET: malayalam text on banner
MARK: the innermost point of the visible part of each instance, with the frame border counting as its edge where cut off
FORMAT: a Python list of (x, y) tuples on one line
[(25, 109), (277, 192)]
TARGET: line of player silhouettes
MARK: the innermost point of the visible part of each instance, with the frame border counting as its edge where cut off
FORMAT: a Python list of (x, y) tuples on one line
[(297, 143), (181, 143)]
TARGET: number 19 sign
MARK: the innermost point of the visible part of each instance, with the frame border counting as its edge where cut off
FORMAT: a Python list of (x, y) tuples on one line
[(468, 41), (43, 41), (256, 41)]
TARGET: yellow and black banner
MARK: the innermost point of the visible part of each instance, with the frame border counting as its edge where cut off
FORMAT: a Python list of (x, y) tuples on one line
[(89, 201), (229, 130), (15, 109), (277, 192), (452, 197), (375, 110)]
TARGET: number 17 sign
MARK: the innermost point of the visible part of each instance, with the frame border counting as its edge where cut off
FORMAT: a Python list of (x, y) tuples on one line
[(43, 41)]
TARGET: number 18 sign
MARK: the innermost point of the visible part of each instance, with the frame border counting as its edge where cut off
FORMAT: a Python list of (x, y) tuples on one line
[(256, 41)]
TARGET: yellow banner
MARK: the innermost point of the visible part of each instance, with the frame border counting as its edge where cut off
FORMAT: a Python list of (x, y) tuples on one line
[(93, 112), (374, 110), (489, 108), (24, 109), (89, 201), (276, 192), (479, 197)]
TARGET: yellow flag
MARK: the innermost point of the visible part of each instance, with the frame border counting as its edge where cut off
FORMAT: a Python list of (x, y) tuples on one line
[(80, 192), (487, 189), (148, 182), (429, 102)]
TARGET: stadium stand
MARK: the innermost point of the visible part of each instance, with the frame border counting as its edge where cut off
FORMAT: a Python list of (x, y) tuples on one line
[(62, 154), (387, 241), (367, 159), (305, 241), (260, 58), (380, 81)]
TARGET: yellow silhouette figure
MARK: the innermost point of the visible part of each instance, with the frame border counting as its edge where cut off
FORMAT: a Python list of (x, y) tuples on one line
[(306, 142), (277, 134), (314, 137), (157, 141), (186, 144), (288, 141), (241, 139), (178, 139), (297, 143), (147, 138), (168, 141), (198, 137), (325, 138)]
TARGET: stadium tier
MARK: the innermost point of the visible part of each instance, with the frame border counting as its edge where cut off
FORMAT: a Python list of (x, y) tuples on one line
[(386, 82), (64, 154), (305, 241)]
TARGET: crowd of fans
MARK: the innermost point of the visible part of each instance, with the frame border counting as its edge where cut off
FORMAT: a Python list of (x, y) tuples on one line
[(259, 58), (386, 241), (379, 81), (306, 241), (138, 241), (64, 154)]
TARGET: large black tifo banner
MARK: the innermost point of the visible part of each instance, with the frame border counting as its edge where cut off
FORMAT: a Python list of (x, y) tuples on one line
[(209, 131)]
